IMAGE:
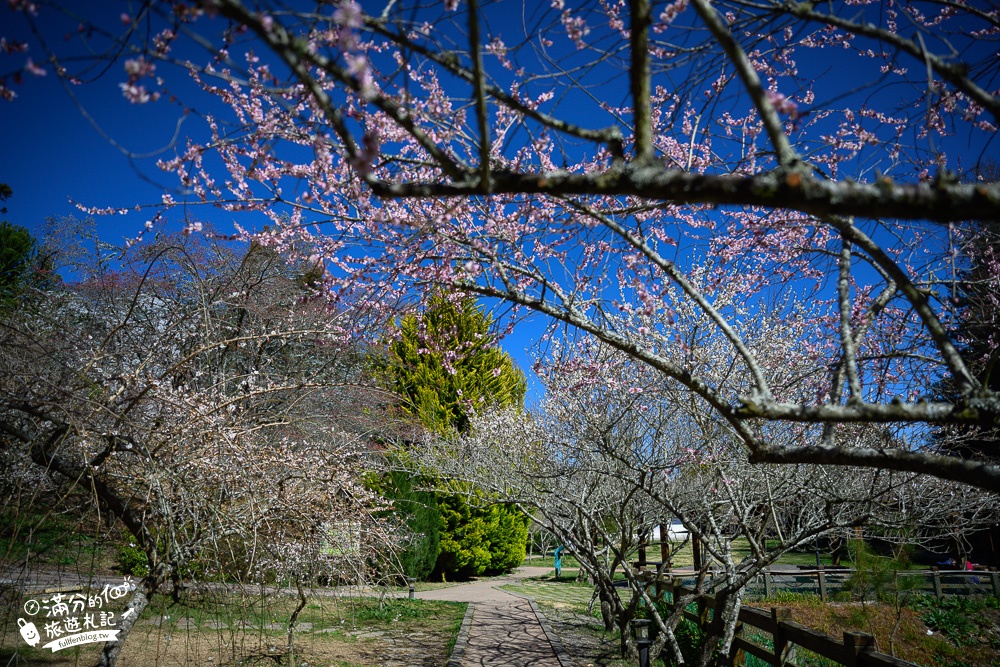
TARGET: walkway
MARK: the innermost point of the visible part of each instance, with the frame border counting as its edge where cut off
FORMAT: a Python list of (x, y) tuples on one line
[(505, 630)]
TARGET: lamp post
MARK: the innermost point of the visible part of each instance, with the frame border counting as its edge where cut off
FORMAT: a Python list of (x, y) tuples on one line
[(640, 632), (411, 581)]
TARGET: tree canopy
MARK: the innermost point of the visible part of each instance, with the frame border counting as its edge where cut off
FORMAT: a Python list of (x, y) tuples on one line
[(18, 256), (194, 396), (661, 176)]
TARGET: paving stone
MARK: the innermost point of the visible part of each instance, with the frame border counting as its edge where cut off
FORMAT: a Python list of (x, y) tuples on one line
[(505, 630)]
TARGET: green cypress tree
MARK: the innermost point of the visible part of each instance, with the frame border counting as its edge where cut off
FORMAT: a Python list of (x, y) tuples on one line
[(445, 364), (418, 510), (18, 257)]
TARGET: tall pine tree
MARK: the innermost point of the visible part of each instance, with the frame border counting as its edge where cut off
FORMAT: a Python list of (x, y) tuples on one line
[(445, 364)]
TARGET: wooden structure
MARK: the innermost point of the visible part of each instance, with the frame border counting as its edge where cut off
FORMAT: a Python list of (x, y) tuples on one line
[(856, 649)]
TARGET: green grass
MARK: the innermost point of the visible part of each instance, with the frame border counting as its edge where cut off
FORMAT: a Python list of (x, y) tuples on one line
[(568, 562), (564, 591), (683, 556), (270, 614), (50, 539)]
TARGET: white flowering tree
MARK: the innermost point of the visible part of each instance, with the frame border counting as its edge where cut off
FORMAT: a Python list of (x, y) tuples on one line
[(616, 450), (208, 401)]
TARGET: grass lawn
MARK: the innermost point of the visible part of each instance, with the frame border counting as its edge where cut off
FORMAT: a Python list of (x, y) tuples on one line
[(682, 556), (55, 540), (229, 628)]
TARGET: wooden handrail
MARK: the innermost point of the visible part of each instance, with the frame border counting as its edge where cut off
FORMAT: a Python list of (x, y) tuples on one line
[(854, 650)]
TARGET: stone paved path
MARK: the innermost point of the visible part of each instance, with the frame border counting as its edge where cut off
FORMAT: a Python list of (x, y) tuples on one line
[(505, 630)]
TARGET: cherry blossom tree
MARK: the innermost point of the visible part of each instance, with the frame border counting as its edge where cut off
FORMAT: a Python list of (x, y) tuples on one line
[(210, 404), (593, 159)]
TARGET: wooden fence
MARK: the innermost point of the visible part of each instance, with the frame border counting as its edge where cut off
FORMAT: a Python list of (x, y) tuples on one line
[(856, 649), (825, 582)]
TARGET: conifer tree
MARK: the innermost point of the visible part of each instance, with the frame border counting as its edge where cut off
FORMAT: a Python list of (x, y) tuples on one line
[(445, 365), (18, 254)]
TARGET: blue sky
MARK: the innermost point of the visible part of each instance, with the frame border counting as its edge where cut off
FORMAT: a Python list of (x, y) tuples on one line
[(57, 153)]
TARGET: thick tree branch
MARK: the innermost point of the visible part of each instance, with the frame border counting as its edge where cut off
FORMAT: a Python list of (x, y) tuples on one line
[(850, 362), (478, 79), (780, 189), (640, 12), (978, 411), (976, 473)]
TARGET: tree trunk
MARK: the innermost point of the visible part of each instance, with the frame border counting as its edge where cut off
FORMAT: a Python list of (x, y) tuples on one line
[(294, 617), (718, 635), (664, 545), (134, 609)]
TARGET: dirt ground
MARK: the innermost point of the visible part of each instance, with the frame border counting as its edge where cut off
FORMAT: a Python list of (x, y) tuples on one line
[(402, 648)]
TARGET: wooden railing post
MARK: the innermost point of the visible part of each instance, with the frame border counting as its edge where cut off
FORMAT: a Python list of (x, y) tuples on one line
[(784, 651), (737, 656), (856, 643), (703, 608), (936, 579), (821, 575), (645, 579)]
